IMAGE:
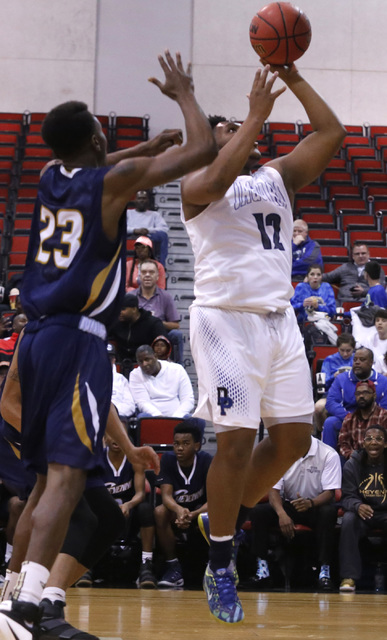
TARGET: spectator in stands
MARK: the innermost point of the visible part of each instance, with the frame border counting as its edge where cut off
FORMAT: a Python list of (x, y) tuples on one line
[(162, 348), (364, 501), (182, 480), (160, 388), (7, 345), (376, 292), (121, 395), (143, 222), (355, 424), (313, 295), (331, 367), (377, 341), (304, 495), (350, 276), (341, 397), (160, 303), (305, 251), (126, 482), (143, 250), (134, 328)]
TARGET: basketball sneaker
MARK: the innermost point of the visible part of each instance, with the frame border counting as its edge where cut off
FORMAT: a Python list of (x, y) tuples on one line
[(222, 595), (18, 620), (347, 585), (146, 578), (173, 577), (204, 526), (53, 624)]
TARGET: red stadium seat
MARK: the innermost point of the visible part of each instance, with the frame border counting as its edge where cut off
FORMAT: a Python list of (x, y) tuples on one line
[(157, 432)]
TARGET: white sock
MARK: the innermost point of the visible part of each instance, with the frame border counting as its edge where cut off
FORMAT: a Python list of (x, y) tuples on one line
[(9, 585), (31, 582), (54, 593), (8, 552), (146, 555)]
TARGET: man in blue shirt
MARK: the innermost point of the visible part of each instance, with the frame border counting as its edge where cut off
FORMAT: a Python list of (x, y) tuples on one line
[(341, 398), (305, 251)]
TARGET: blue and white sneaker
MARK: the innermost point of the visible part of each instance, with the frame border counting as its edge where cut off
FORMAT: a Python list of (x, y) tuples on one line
[(222, 595), (173, 577), (204, 526)]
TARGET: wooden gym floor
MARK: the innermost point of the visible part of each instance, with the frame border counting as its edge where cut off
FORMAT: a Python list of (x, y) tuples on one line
[(132, 614)]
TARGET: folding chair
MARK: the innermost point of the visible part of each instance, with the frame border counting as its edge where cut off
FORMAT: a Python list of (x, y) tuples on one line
[(157, 432)]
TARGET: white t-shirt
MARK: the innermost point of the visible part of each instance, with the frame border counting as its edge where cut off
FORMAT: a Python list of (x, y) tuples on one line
[(169, 393), (378, 346), (242, 246), (318, 471)]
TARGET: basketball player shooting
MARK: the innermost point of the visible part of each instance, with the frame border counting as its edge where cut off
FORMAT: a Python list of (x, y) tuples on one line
[(247, 348)]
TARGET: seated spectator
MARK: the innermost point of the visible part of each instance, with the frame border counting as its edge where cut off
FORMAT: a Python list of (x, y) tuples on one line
[(350, 276), (377, 340), (333, 365), (126, 483), (305, 251), (7, 345), (355, 424), (143, 250), (160, 388), (313, 295), (121, 394), (182, 480), (162, 348), (133, 328), (341, 395), (143, 222), (364, 501), (376, 292), (160, 303), (304, 495)]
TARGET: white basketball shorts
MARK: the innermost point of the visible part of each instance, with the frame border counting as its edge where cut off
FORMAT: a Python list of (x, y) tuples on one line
[(249, 366)]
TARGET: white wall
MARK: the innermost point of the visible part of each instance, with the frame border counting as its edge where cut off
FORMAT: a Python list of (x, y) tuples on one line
[(103, 51), (47, 53)]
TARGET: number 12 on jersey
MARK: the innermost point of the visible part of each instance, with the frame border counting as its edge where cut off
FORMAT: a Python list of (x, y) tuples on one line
[(271, 220)]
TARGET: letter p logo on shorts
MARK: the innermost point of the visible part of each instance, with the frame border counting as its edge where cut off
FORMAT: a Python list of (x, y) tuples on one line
[(223, 400)]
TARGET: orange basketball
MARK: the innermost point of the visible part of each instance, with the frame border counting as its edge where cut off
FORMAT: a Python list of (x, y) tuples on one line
[(280, 33)]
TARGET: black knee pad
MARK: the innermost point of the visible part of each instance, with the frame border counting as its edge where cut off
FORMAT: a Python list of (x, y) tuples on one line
[(82, 526)]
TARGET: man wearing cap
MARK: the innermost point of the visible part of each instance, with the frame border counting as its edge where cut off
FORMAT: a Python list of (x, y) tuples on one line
[(121, 395), (355, 424), (143, 250), (341, 398), (145, 222), (133, 328)]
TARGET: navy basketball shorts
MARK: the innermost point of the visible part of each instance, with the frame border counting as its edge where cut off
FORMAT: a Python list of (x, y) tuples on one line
[(18, 480), (66, 385)]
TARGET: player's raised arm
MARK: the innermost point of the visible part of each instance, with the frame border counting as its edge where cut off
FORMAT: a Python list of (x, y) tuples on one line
[(134, 174), (153, 147), (236, 144), (313, 153)]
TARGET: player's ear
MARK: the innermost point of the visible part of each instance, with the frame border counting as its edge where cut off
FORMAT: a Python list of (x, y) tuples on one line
[(96, 142)]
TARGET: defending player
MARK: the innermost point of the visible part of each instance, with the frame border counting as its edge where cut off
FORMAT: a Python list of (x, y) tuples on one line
[(72, 290), (245, 341)]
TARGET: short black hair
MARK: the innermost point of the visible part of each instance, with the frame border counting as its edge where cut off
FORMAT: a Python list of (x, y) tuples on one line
[(381, 313), (215, 120), (373, 269), (314, 266), (67, 128), (189, 426), (144, 348)]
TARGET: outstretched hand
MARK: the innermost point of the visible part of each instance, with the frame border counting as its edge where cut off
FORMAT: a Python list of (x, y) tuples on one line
[(262, 96), (177, 81), (145, 457), (164, 140), (285, 72)]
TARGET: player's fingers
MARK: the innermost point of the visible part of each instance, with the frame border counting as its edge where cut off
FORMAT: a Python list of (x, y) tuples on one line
[(170, 59), (264, 74), (156, 82), (179, 62), (275, 94), (163, 63)]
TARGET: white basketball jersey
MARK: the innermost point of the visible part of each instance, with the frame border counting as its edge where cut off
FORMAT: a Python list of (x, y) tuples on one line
[(242, 246)]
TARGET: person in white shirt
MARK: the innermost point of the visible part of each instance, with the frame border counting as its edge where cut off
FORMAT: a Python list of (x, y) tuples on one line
[(160, 388), (377, 341), (304, 495), (121, 395)]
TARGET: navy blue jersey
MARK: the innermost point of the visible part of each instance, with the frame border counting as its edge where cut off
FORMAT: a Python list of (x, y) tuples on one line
[(71, 265), (119, 482), (189, 485)]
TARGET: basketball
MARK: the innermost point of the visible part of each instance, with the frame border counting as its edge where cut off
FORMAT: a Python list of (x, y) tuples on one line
[(280, 33)]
